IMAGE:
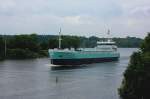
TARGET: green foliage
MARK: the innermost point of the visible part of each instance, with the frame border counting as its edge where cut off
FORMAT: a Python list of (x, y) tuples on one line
[(23, 47), (39, 44), (25, 41), (128, 42), (1, 48), (90, 42), (145, 47), (135, 84), (70, 42), (53, 43), (67, 42), (43, 53), (21, 54), (44, 45)]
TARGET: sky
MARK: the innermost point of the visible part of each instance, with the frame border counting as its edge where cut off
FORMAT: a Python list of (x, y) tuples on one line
[(76, 17)]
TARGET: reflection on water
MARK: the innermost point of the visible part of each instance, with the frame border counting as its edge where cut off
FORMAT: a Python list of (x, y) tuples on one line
[(84, 66), (68, 67), (36, 79)]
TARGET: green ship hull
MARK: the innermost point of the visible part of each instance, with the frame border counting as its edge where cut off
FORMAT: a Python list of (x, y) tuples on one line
[(62, 57)]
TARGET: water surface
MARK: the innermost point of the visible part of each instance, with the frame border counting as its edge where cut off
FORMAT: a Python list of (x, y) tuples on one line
[(36, 79)]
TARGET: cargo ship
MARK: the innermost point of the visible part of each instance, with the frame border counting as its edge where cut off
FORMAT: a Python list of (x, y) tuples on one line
[(105, 51)]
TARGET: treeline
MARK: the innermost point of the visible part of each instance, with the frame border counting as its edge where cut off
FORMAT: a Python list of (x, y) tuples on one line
[(66, 42), (128, 42), (20, 47), (33, 46), (136, 82)]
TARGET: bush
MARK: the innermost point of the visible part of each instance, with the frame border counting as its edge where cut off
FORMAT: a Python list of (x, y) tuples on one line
[(21, 54), (136, 82), (43, 53), (2, 48)]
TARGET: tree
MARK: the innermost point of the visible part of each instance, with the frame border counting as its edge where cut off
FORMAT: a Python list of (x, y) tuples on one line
[(145, 47), (2, 47), (66, 42), (53, 43), (23, 46), (136, 82), (44, 45), (25, 42), (75, 42)]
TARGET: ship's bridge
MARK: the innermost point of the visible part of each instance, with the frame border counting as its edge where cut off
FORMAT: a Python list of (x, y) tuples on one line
[(106, 46), (106, 43)]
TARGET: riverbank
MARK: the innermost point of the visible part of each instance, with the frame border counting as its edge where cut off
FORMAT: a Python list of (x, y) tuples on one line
[(25, 54)]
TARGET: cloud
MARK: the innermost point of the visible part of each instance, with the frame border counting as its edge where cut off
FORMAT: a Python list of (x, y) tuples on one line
[(141, 12)]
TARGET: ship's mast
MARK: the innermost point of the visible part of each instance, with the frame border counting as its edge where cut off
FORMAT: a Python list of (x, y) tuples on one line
[(108, 33), (60, 38)]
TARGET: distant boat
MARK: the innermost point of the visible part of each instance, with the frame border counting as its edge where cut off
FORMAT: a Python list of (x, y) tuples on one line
[(105, 51)]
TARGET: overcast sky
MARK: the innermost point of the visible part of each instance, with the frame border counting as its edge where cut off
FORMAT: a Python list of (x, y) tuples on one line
[(76, 17)]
